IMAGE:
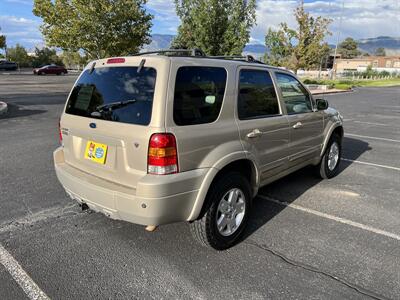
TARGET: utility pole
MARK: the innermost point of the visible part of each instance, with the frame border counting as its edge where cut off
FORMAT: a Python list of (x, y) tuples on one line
[(337, 41)]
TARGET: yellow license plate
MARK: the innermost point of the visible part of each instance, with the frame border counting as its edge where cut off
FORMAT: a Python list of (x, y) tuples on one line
[(96, 152)]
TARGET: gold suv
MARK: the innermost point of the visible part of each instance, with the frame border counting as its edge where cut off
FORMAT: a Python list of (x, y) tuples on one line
[(175, 135)]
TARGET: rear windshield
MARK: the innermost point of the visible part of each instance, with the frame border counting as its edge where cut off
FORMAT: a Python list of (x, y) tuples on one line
[(119, 94)]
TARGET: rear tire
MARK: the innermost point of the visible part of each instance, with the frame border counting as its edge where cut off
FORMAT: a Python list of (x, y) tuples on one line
[(229, 200), (329, 165)]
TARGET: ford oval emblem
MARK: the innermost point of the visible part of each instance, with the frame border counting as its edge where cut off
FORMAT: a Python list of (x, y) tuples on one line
[(92, 125)]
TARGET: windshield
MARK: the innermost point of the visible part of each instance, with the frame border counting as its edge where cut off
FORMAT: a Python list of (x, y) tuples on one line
[(109, 85)]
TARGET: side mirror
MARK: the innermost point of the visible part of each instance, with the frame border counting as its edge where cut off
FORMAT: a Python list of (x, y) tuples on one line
[(322, 104)]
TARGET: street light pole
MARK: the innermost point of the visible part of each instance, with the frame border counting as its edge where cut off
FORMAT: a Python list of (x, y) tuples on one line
[(337, 41)]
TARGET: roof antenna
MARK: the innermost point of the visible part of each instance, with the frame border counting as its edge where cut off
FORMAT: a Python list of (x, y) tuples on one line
[(92, 68), (141, 65)]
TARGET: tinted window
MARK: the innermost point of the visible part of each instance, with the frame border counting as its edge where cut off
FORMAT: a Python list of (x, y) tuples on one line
[(296, 98), (109, 85), (199, 92), (257, 96)]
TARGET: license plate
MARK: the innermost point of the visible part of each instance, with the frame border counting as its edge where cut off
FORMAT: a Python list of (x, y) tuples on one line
[(96, 152)]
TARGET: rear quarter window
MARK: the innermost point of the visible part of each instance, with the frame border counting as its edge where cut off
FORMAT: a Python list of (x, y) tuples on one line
[(113, 84), (199, 93)]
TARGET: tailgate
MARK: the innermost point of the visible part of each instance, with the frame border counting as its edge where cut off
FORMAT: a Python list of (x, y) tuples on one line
[(124, 160), (112, 111)]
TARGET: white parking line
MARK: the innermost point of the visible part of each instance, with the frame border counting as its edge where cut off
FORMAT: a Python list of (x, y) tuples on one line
[(30, 288), (371, 164), (372, 137), (372, 123), (334, 218)]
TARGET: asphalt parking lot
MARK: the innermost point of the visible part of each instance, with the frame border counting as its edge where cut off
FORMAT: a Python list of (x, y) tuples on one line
[(307, 239)]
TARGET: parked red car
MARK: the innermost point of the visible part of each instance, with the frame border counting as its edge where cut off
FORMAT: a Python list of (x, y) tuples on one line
[(50, 69)]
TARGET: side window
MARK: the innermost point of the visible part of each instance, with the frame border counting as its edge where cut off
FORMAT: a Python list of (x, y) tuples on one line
[(257, 96), (199, 92), (296, 98)]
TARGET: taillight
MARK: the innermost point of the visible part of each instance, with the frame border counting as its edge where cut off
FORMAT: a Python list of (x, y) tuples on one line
[(118, 60), (162, 156), (59, 132)]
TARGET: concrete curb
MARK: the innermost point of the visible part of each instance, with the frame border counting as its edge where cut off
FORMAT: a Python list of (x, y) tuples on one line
[(3, 108), (325, 92)]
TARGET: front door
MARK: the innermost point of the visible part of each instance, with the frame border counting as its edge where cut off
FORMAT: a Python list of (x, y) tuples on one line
[(264, 130), (306, 122)]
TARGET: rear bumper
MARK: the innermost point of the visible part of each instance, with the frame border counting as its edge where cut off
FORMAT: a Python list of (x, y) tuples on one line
[(156, 200)]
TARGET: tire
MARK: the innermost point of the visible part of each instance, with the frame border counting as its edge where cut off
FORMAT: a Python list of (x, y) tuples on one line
[(205, 230), (327, 167)]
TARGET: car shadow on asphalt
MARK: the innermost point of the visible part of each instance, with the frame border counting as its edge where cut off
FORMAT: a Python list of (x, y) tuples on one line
[(289, 188), (15, 111)]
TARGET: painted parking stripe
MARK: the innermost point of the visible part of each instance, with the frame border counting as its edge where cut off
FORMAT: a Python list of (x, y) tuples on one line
[(372, 123), (371, 164), (30, 288), (372, 137), (333, 218)]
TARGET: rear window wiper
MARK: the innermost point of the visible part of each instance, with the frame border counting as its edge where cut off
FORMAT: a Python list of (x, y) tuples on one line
[(112, 105)]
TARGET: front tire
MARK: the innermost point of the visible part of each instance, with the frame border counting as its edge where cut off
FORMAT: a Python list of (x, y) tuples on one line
[(329, 165), (229, 200)]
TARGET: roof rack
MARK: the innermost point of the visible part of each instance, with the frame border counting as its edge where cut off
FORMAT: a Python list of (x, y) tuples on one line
[(198, 53), (247, 58), (189, 52)]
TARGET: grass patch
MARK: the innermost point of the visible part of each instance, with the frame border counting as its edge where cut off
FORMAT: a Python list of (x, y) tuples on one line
[(342, 84)]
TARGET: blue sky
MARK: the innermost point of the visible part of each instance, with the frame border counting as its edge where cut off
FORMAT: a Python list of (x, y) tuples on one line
[(361, 18)]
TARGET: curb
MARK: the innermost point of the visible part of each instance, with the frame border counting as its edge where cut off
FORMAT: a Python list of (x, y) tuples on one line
[(325, 92), (3, 108)]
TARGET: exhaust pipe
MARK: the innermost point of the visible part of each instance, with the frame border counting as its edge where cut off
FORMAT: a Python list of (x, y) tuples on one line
[(150, 228)]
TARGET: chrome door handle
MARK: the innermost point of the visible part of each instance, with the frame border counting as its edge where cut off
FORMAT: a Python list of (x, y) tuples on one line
[(297, 125), (254, 133)]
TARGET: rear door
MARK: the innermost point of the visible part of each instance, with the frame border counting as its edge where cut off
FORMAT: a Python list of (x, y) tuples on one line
[(306, 122), (264, 130), (110, 140)]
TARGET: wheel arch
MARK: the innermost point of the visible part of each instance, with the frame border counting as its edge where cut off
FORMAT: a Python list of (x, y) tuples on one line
[(244, 165), (338, 129)]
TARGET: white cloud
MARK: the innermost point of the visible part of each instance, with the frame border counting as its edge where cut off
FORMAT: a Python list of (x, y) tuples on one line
[(21, 30), (361, 19)]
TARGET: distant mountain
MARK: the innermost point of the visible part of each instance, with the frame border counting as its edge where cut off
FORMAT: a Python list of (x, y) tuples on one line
[(391, 44)]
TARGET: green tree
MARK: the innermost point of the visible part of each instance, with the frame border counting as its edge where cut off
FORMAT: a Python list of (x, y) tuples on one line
[(2, 41), (3, 44), (19, 55), (101, 28), (45, 56), (380, 52), (73, 59), (218, 27), (300, 48), (349, 48)]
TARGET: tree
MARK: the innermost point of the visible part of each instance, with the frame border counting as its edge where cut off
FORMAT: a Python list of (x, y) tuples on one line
[(380, 52), (348, 48), (19, 55), (300, 48), (3, 44), (101, 28), (73, 60), (45, 56), (218, 27)]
